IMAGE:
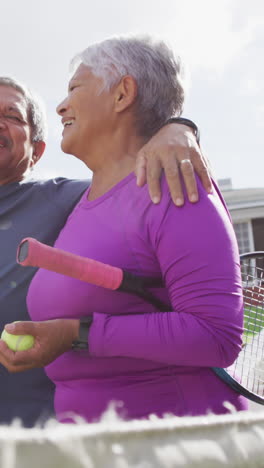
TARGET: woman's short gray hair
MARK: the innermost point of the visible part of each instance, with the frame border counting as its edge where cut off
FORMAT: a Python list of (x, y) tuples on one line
[(157, 71), (35, 108)]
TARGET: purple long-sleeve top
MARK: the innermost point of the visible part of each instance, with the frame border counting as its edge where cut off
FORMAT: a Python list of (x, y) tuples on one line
[(148, 362)]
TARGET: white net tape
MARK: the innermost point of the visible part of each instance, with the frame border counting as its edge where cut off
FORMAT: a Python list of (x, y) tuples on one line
[(233, 440)]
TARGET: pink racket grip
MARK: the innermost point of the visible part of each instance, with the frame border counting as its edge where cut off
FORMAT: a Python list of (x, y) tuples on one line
[(31, 252)]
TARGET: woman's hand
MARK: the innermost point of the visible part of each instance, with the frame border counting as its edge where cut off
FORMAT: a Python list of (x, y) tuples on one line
[(175, 149), (52, 338)]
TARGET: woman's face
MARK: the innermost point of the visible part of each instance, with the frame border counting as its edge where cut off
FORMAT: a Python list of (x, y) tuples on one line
[(85, 112)]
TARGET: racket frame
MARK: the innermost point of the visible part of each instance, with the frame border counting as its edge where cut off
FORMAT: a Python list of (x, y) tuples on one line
[(222, 373), (137, 285)]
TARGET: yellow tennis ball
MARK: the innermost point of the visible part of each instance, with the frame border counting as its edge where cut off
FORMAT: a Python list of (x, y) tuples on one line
[(18, 342)]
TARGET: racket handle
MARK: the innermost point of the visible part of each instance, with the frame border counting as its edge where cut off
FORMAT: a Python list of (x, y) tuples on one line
[(31, 252)]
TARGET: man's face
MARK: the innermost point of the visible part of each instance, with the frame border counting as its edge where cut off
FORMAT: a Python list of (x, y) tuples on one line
[(16, 147), (86, 112)]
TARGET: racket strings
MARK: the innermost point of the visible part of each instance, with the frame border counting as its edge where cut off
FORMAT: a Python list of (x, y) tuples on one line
[(248, 369)]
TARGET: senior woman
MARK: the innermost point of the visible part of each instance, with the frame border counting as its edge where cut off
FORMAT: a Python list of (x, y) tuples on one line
[(150, 362)]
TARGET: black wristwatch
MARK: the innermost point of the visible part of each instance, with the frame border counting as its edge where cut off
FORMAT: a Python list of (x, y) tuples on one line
[(189, 123), (82, 341)]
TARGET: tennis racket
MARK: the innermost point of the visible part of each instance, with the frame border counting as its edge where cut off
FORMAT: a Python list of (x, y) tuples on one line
[(245, 376), (33, 253)]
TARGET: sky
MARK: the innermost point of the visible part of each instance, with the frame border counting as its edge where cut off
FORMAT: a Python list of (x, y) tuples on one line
[(221, 41)]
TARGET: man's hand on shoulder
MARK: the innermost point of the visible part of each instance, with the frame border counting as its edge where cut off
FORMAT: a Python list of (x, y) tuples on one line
[(175, 150)]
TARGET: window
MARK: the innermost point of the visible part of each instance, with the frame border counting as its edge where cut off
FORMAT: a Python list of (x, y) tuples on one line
[(244, 236)]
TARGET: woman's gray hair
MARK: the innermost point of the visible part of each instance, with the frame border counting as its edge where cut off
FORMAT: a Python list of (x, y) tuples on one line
[(35, 108), (157, 71)]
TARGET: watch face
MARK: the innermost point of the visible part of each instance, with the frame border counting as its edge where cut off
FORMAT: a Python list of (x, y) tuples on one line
[(79, 345), (82, 341)]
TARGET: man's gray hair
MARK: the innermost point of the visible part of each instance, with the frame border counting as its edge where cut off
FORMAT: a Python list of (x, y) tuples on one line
[(35, 108), (157, 71)]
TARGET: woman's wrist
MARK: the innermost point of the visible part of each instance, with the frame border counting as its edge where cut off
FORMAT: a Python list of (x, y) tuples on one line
[(73, 328)]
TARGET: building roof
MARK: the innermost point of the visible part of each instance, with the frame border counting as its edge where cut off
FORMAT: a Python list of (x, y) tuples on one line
[(244, 197), (245, 203)]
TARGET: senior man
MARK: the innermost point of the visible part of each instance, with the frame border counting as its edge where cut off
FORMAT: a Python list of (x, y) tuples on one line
[(40, 208)]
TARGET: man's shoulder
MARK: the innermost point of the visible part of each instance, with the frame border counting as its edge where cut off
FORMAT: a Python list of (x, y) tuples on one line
[(57, 186), (59, 191), (59, 182)]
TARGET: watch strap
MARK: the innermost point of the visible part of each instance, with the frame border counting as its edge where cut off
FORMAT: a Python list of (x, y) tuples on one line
[(82, 341), (188, 122)]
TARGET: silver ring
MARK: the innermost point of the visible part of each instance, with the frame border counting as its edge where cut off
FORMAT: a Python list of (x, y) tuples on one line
[(185, 160)]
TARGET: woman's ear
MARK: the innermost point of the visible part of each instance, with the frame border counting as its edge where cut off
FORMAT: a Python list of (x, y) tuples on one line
[(125, 93)]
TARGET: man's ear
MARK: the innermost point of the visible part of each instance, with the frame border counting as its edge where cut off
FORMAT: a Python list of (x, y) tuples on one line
[(125, 93), (38, 150)]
